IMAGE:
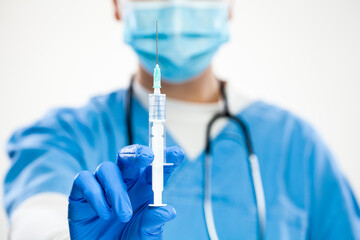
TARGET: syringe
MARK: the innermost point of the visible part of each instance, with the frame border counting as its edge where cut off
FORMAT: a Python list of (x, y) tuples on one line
[(157, 133)]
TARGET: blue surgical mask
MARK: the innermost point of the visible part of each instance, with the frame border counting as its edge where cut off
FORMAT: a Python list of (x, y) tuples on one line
[(190, 33)]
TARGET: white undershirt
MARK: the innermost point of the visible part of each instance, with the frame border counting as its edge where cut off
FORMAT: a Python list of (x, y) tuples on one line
[(44, 216), (186, 122)]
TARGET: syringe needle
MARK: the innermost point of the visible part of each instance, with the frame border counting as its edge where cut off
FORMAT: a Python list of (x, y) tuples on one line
[(157, 72), (157, 40)]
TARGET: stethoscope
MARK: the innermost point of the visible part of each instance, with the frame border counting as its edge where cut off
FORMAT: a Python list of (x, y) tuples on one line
[(252, 159)]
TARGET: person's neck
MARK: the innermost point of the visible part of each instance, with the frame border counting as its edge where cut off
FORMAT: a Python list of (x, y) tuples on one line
[(201, 89)]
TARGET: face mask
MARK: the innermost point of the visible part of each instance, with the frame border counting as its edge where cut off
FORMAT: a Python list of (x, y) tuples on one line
[(190, 33)]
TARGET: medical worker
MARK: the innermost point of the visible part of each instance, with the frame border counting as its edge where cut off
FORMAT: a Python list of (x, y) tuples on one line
[(85, 172)]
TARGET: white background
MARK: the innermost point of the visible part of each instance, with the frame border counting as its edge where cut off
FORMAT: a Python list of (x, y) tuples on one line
[(302, 55)]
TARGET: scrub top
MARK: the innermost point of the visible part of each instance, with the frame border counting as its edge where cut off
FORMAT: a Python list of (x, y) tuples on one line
[(307, 197)]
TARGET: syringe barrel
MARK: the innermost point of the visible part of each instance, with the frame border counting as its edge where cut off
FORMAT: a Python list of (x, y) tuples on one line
[(157, 126), (157, 107), (157, 141)]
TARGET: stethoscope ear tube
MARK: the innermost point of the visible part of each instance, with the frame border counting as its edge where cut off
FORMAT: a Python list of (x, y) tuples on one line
[(128, 112), (259, 194), (254, 168), (209, 217)]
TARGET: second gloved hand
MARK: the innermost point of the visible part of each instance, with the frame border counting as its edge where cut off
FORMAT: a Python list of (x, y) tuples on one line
[(113, 202)]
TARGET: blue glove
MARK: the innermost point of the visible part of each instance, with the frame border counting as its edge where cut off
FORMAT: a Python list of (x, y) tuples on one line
[(113, 202)]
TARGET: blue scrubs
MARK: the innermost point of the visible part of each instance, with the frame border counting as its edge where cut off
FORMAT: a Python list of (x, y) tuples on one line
[(307, 197)]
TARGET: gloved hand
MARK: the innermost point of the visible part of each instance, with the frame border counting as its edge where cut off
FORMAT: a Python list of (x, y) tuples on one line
[(113, 202)]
